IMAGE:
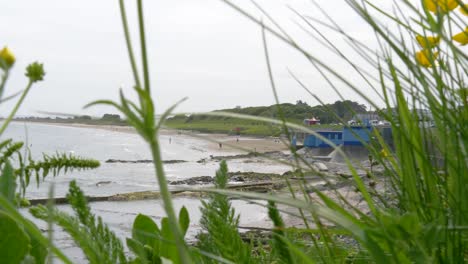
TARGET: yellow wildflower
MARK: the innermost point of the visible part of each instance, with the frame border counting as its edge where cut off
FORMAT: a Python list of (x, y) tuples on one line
[(7, 57), (383, 153), (440, 5), (463, 9), (461, 37), (427, 42), (425, 56)]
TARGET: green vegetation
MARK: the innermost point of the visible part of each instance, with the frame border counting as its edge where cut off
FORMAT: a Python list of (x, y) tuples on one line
[(420, 216), (296, 113), (235, 126), (330, 116), (219, 224), (231, 126), (99, 244), (106, 120), (21, 240)]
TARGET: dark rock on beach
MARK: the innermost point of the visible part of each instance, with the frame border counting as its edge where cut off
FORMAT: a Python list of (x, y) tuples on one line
[(270, 154), (127, 161), (103, 183), (253, 176), (237, 178), (173, 161), (194, 181), (143, 161), (233, 176)]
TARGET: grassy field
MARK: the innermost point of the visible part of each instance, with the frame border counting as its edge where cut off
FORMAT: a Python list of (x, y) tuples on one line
[(234, 126)]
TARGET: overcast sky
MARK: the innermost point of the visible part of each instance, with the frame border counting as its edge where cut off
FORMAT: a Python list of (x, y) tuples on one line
[(200, 49)]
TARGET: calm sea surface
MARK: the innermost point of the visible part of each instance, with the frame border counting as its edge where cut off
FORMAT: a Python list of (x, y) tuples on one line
[(112, 178)]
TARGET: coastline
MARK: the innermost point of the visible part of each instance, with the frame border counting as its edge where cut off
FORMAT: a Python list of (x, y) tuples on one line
[(118, 197), (229, 143)]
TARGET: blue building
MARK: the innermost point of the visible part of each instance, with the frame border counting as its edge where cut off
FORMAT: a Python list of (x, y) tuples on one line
[(350, 136), (312, 141), (356, 135)]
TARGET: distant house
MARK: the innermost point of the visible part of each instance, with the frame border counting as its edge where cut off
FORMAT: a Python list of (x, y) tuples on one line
[(237, 130), (366, 119), (312, 121)]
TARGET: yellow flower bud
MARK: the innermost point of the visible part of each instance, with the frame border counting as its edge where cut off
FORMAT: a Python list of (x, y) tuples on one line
[(440, 5), (383, 153), (461, 37), (35, 72), (425, 56), (7, 58), (427, 42)]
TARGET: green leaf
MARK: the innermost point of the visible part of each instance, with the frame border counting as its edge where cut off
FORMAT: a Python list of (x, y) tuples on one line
[(145, 230), (168, 248), (37, 251), (184, 220), (14, 242), (293, 248), (138, 249), (8, 182), (4, 143)]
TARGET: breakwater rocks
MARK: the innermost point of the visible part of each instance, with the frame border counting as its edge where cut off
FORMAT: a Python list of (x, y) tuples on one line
[(261, 187), (143, 161), (269, 154), (233, 177), (133, 196), (193, 181)]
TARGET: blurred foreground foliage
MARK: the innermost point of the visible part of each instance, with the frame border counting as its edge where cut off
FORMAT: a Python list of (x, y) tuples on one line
[(420, 217)]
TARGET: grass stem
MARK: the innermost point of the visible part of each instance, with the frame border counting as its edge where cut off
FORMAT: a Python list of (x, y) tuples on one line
[(15, 109), (184, 256), (123, 15)]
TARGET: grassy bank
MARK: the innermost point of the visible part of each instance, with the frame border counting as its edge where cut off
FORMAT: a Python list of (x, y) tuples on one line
[(234, 126)]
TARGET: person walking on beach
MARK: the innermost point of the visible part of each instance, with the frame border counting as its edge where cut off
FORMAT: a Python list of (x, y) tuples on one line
[(220, 145), (170, 140)]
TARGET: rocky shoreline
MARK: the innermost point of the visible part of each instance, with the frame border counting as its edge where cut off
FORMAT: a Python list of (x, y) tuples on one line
[(143, 161), (332, 179), (262, 187)]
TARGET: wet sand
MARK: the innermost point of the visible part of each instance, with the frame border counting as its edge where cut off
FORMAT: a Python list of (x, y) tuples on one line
[(245, 143)]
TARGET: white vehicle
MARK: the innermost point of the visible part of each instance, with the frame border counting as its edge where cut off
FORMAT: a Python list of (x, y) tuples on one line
[(374, 122), (352, 122), (384, 123)]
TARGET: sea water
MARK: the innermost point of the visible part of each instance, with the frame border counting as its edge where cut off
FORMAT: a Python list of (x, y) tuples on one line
[(105, 144), (113, 178)]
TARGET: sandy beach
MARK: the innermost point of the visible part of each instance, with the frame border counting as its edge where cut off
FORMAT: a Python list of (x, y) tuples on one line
[(241, 143)]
